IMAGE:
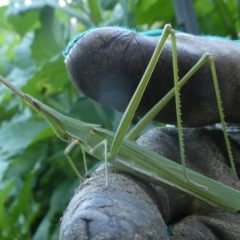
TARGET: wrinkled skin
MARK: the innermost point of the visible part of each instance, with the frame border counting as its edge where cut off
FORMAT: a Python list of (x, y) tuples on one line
[(130, 208)]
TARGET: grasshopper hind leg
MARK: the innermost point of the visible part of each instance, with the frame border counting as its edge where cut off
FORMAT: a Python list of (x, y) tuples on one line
[(178, 111), (175, 91)]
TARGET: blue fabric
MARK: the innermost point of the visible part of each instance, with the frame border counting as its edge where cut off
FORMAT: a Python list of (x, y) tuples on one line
[(152, 33), (171, 225), (170, 229), (221, 38), (73, 41)]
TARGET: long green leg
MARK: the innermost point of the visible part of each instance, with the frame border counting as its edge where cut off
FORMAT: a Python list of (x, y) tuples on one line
[(220, 108), (178, 104), (100, 147), (128, 115), (132, 106), (133, 133), (67, 151), (84, 160), (130, 111), (156, 109)]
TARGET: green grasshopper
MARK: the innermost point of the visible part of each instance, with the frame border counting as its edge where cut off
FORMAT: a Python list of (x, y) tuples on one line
[(126, 155)]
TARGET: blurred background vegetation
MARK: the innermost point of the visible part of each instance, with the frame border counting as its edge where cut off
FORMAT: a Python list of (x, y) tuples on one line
[(36, 181)]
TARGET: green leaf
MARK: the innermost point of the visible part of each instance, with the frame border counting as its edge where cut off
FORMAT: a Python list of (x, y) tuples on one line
[(141, 6), (16, 136), (23, 22), (4, 24), (49, 40), (3, 167), (108, 4), (51, 78), (148, 12), (59, 198), (95, 11), (5, 190)]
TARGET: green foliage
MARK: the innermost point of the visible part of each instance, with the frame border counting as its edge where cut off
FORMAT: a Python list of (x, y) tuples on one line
[(36, 182)]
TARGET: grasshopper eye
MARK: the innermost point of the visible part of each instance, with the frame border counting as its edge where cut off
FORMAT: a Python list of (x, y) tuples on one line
[(35, 104)]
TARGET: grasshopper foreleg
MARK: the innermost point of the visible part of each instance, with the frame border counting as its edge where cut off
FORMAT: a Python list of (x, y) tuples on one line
[(102, 147), (67, 151)]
